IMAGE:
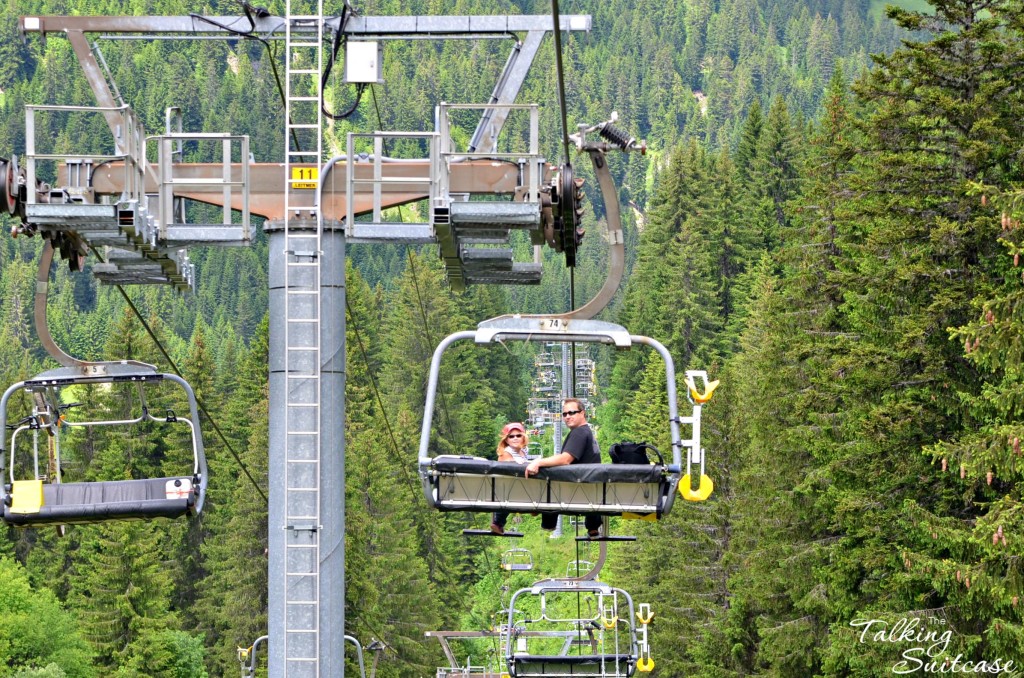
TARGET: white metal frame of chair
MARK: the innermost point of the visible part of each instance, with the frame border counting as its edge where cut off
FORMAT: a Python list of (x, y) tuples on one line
[(578, 568), (467, 483), (86, 501), (616, 633)]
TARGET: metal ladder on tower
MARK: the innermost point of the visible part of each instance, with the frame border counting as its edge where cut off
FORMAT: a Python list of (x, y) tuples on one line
[(303, 229)]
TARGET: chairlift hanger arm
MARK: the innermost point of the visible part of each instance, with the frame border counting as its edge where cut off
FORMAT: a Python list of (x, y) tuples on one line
[(563, 231), (79, 368), (39, 308)]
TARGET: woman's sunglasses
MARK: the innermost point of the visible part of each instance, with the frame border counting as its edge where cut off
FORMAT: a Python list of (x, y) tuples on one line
[(515, 435)]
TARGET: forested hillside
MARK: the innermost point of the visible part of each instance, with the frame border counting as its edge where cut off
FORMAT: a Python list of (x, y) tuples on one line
[(832, 235)]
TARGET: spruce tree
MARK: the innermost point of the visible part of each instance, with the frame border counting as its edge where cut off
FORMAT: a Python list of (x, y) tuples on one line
[(389, 593), (945, 112), (232, 598), (120, 590)]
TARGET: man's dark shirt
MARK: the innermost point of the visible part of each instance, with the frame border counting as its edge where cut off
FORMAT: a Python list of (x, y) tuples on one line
[(581, 444)]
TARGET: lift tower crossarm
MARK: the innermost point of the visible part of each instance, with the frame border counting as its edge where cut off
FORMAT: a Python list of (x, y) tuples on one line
[(269, 27), (404, 26), (356, 27), (272, 27), (266, 179)]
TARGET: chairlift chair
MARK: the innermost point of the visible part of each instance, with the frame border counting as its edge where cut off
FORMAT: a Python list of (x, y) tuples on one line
[(29, 498), (516, 560), (559, 638), (466, 482)]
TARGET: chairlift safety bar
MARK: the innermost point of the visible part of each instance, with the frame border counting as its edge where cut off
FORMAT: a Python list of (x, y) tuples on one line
[(540, 328)]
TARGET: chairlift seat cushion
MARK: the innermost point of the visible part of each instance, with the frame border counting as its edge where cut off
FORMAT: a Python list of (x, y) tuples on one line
[(70, 503), (605, 665), (580, 473), (474, 484)]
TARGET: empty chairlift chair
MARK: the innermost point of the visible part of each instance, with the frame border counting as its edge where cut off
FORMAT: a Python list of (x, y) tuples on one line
[(569, 628), (32, 492), (516, 560), (467, 482)]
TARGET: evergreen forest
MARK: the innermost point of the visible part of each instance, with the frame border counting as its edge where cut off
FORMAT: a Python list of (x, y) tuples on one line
[(827, 220)]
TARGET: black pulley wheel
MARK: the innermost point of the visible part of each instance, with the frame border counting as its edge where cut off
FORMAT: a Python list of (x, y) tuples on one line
[(9, 185), (568, 204)]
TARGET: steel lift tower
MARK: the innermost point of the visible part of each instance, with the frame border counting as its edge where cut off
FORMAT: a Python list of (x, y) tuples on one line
[(131, 209)]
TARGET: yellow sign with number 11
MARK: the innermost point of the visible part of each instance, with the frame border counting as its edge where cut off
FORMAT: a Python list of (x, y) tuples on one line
[(304, 177)]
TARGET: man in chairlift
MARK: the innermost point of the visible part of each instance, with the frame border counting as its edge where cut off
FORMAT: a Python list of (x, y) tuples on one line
[(579, 447)]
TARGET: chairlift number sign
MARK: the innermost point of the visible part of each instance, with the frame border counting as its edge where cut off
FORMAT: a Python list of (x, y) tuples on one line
[(556, 324), (304, 177)]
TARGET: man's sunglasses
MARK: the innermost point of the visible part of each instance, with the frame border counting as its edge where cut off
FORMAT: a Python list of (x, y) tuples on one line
[(569, 413), (516, 435)]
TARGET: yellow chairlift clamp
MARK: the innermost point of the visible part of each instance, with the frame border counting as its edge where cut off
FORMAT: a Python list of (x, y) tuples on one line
[(645, 663), (698, 396)]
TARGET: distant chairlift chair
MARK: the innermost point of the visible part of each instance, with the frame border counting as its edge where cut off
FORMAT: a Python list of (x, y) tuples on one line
[(477, 484), (516, 560), (554, 639), (42, 499)]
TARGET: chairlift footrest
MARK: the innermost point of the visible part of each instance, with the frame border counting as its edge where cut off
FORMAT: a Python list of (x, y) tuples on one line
[(613, 538), (488, 533)]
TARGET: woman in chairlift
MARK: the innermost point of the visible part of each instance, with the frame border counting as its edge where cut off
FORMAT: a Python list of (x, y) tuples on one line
[(513, 446)]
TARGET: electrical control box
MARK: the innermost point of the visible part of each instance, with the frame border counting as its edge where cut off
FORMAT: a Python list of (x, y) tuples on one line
[(364, 62)]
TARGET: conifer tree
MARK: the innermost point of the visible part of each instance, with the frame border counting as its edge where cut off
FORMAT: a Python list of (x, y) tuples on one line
[(943, 114), (776, 169), (233, 594), (750, 137), (420, 314), (184, 548), (120, 591), (983, 551), (669, 262), (387, 581)]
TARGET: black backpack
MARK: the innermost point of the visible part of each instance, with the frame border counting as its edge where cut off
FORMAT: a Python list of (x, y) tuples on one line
[(633, 453)]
